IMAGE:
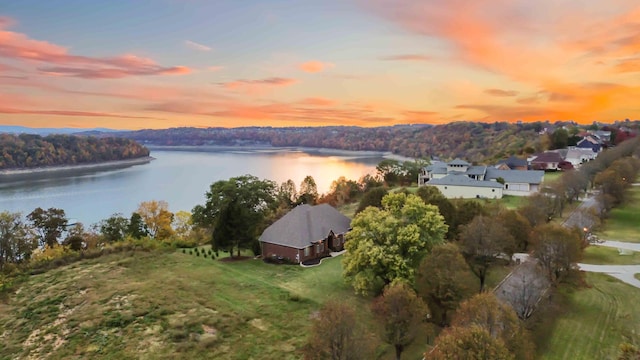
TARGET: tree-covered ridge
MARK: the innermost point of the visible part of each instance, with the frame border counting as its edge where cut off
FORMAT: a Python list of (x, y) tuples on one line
[(476, 142), (30, 151)]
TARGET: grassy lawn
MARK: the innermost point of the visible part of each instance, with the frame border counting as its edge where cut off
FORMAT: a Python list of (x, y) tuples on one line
[(601, 255), (596, 321), (167, 305), (624, 222), (512, 202), (637, 276), (551, 176), (349, 210)]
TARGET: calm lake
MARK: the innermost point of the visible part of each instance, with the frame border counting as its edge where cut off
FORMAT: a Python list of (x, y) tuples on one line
[(179, 177)]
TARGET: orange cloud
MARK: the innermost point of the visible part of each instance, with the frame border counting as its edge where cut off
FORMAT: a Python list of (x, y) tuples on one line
[(317, 101), (501, 93), (20, 47), (314, 66), (4, 110)]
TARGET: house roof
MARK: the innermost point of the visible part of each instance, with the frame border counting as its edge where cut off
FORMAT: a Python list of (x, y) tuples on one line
[(463, 180), (513, 161), (547, 157), (516, 176), (437, 168), (306, 224), (458, 161), (476, 170)]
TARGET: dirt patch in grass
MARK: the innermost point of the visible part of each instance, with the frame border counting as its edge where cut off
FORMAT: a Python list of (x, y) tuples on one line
[(235, 258)]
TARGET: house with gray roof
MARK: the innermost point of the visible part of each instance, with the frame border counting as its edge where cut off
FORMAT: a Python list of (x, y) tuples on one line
[(461, 179), (305, 233)]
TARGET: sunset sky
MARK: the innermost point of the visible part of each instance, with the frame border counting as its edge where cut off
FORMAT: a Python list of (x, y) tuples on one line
[(164, 63)]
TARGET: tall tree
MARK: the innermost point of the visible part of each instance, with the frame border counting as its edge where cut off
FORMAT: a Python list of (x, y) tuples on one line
[(389, 243), (336, 334), (235, 210), (498, 319), (472, 342), (137, 229), (557, 248), (308, 193), (484, 240), (157, 217), (443, 280), (431, 195), (50, 224), (75, 237), (518, 226), (17, 239), (287, 194), (182, 223), (399, 312), (114, 228), (373, 197)]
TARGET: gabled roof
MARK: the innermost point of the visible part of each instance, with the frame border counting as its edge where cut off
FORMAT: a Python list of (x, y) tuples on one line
[(437, 168), (476, 170), (458, 161), (464, 180), (547, 157), (306, 224), (516, 176), (513, 161)]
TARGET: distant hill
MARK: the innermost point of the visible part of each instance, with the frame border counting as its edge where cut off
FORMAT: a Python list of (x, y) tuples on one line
[(8, 129)]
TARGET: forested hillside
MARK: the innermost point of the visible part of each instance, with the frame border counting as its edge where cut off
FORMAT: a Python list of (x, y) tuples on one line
[(473, 141), (30, 151)]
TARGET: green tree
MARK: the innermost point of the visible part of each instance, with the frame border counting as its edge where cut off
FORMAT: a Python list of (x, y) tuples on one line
[(389, 243), (443, 280), (431, 195), (559, 139), (137, 229), (336, 334), (483, 242), (287, 194), (75, 237), (17, 240), (399, 312), (114, 228), (518, 226), (50, 225), (390, 171), (236, 210), (373, 197)]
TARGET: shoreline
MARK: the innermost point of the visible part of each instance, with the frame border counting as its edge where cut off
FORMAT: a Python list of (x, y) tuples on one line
[(269, 148), (114, 164)]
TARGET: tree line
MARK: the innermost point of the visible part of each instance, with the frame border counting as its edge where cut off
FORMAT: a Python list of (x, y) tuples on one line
[(477, 142), (29, 151)]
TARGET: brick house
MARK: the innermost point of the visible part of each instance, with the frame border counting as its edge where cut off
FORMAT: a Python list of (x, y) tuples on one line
[(304, 233)]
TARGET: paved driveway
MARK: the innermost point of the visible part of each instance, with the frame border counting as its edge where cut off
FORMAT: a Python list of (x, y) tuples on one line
[(622, 272), (619, 245)]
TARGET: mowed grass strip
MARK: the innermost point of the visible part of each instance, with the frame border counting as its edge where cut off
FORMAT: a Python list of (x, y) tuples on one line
[(624, 222), (596, 321), (602, 255)]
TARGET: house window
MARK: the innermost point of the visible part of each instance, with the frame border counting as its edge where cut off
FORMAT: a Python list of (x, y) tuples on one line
[(320, 248), (307, 251)]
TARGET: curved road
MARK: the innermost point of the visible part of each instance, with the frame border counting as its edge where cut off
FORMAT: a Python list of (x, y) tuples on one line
[(624, 273)]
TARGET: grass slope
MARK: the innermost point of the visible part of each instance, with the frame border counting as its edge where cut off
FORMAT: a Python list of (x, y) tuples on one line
[(167, 305), (598, 319), (601, 255), (624, 222)]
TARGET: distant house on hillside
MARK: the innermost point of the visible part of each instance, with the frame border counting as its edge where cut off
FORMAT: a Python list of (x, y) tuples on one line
[(306, 232), (459, 179), (512, 163), (590, 142), (548, 160)]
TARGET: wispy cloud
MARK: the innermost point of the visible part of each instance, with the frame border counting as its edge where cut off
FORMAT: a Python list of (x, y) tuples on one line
[(501, 93), (18, 46), (314, 66), (5, 110), (270, 82), (196, 46), (407, 57), (215, 68)]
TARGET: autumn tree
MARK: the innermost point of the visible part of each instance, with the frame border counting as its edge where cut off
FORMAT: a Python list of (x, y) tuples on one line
[(182, 223), (17, 240), (75, 237), (498, 319), (575, 183), (287, 194), (443, 280), (336, 334), (557, 248), (483, 241), (235, 211), (399, 313), (472, 342), (518, 226), (389, 243), (157, 218), (50, 224), (308, 193)]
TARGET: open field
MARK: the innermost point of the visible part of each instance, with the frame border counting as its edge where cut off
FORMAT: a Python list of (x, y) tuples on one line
[(601, 255), (624, 222), (165, 305), (596, 321)]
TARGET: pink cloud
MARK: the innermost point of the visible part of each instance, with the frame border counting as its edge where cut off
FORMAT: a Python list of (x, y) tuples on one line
[(314, 66), (317, 101), (196, 46), (18, 46), (407, 57), (4, 110)]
